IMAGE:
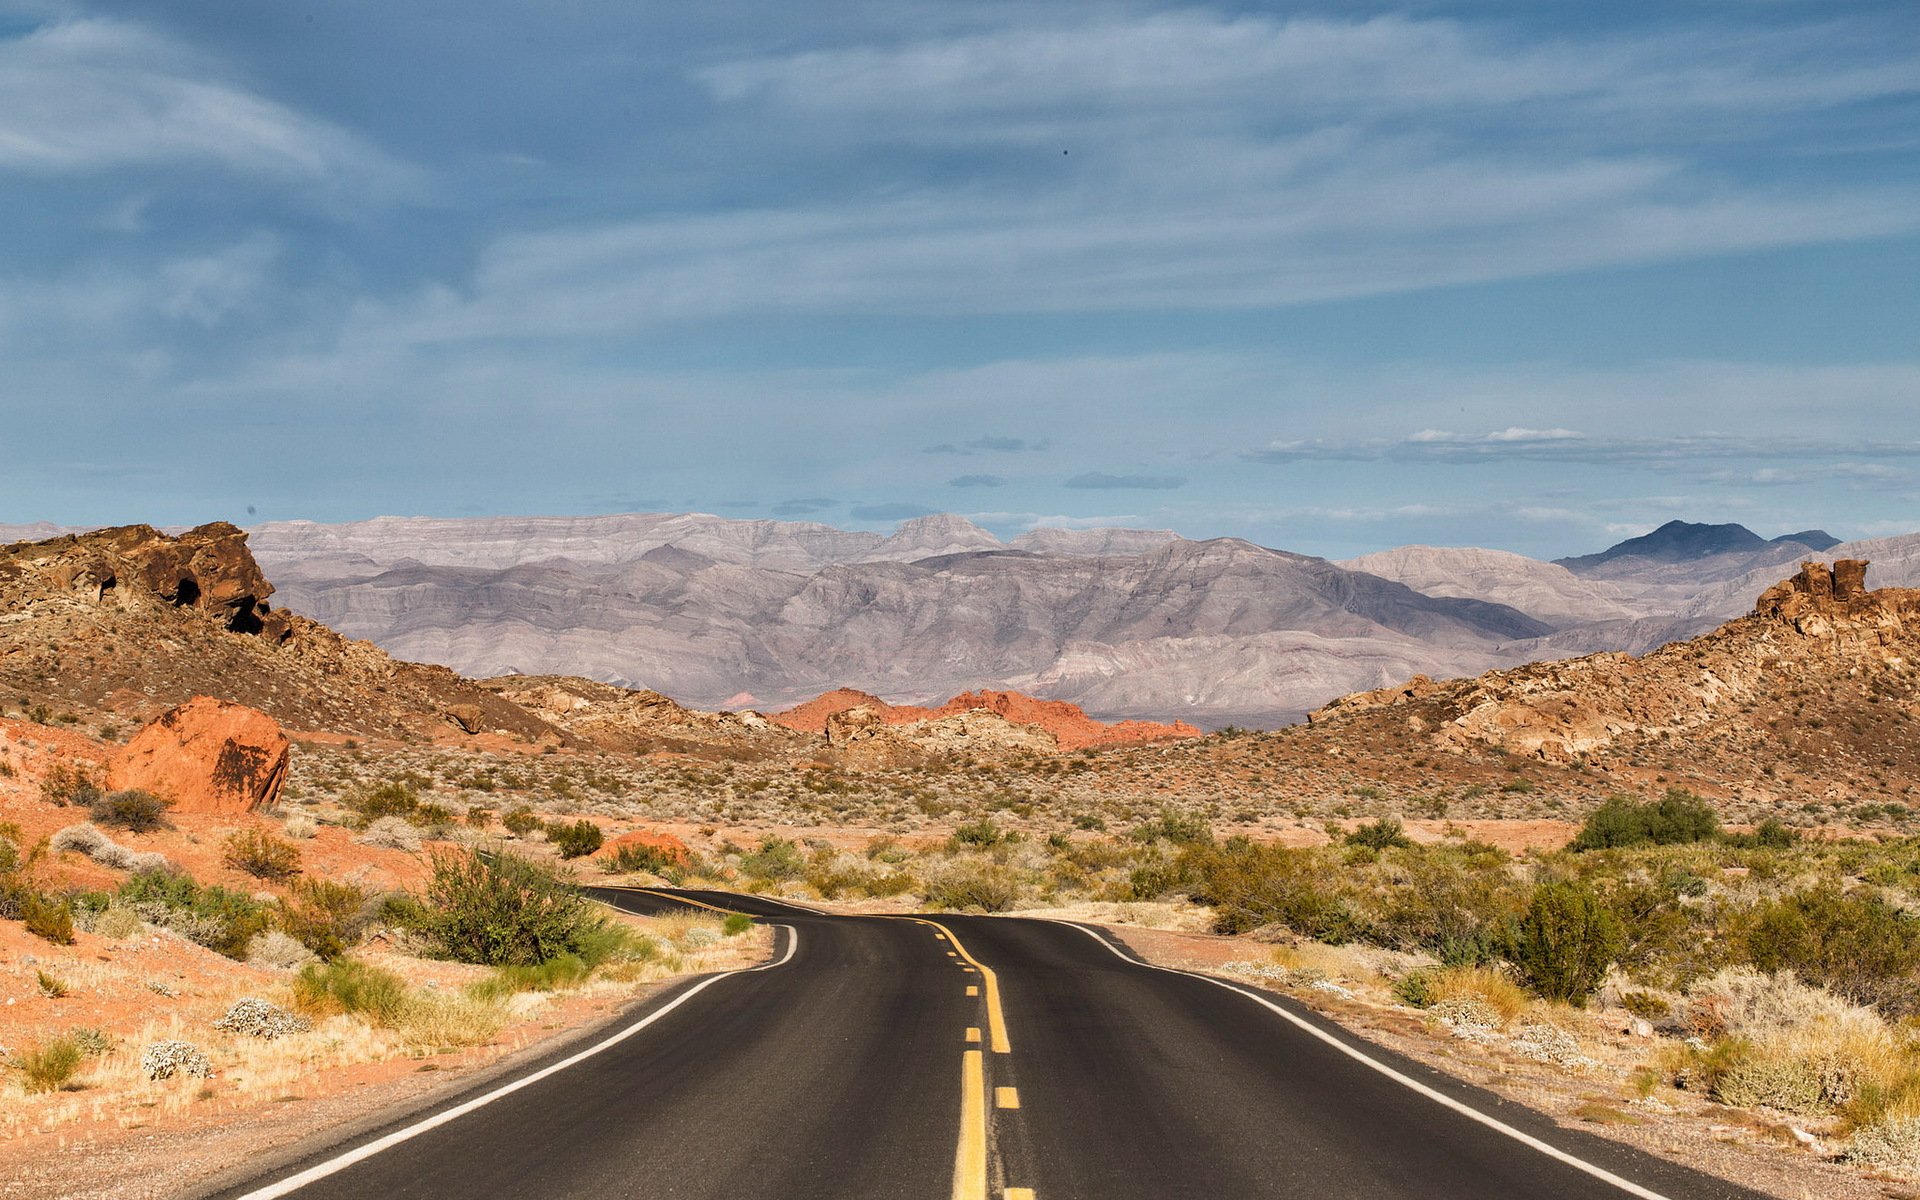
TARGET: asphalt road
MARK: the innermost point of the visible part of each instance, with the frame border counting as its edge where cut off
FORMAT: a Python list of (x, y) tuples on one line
[(968, 1057)]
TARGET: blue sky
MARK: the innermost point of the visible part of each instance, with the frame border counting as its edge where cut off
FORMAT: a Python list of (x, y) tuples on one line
[(1333, 277)]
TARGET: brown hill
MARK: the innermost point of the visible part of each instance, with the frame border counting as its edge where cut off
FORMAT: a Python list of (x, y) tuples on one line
[(1071, 728), (123, 624), (1816, 682)]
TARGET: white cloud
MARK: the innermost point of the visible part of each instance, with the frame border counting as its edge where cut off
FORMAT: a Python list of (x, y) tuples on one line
[(92, 94)]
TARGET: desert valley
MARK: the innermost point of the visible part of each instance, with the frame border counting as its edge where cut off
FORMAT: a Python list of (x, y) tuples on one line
[(213, 802)]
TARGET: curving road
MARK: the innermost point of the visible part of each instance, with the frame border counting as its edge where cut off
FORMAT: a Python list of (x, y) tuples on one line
[(969, 1057)]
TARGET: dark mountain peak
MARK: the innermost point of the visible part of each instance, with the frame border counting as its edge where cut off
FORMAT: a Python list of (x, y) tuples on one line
[(1676, 541), (1812, 539)]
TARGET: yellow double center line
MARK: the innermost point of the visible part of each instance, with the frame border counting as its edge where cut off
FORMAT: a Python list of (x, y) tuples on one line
[(970, 1156)]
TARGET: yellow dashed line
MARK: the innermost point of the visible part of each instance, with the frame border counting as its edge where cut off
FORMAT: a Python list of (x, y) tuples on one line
[(996, 1020), (1006, 1097), (970, 1158), (973, 989), (973, 1034), (1017, 1194)]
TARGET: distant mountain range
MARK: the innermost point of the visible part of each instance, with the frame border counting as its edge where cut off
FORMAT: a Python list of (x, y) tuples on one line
[(1125, 623)]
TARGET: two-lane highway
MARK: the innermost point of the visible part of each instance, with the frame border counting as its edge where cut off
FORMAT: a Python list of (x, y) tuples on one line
[(965, 1057)]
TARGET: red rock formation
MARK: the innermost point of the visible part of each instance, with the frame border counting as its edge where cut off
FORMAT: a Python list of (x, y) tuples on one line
[(1071, 728), (207, 756)]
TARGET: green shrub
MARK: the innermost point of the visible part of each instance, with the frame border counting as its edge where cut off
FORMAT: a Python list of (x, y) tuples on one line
[(1623, 821), (132, 809), (1173, 825), (49, 917), (1564, 943), (520, 821), (736, 924), (776, 858), (261, 855), (502, 910), (1452, 902), (639, 856), (348, 985), (575, 840), (982, 834), (973, 884), (324, 916), (1415, 989), (1250, 885), (391, 799), (215, 917), (48, 1066), (1853, 943), (1384, 834)]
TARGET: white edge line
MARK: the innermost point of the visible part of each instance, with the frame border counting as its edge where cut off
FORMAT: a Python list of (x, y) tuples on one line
[(1466, 1110), (341, 1162)]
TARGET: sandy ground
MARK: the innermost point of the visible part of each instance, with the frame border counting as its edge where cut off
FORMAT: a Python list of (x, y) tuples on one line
[(111, 1137)]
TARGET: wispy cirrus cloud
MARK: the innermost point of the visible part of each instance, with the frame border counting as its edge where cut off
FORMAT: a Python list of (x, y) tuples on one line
[(82, 95), (1569, 446), (1102, 481)]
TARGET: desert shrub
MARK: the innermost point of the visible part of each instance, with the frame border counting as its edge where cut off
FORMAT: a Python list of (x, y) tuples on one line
[(164, 1060), (218, 918), (47, 916), (261, 855), (278, 950), (390, 799), (639, 856), (1415, 989), (576, 839), (1678, 817), (736, 924), (64, 784), (131, 809), (1487, 986), (1453, 903), (390, 833), (254, 1017), (324, 916), (1384, 834), (1665, 938), (350, 986), (1769, 834), (9, 856), (87, 840), (502, 910), (1854, 944), (520, 821), (1250, 885), (1173, 825), (979, 834), (776, 858), (973, 884), (1565, 941), (48, 1066)]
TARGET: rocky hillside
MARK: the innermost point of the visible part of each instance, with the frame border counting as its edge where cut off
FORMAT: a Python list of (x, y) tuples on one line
[(728, 613), (1817, 681), (115, 626), (125, 623)]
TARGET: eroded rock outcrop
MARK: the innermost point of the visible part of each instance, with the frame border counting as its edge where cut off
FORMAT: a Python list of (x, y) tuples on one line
[(1805, 635), (207, 756), (208, 568), (1066, 726)]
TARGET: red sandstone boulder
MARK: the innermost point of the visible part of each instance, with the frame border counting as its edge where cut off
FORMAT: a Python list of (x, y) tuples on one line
[(207, 756)]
